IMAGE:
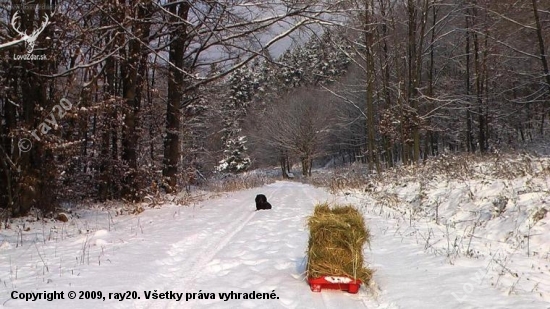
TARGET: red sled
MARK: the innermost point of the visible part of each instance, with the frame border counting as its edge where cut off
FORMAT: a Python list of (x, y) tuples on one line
[(334, 283)]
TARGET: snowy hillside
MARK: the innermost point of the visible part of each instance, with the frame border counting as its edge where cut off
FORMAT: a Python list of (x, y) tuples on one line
[(491, 212), (220, 253)]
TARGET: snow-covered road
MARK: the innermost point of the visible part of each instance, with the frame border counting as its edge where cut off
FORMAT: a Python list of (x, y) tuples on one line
[(221, 246)]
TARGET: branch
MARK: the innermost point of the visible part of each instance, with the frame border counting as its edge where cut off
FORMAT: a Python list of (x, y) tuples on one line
[(9, 44)]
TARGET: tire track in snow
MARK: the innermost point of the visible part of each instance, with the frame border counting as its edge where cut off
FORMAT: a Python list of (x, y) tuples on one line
[(182, 282), (200, 259), (203, 258)]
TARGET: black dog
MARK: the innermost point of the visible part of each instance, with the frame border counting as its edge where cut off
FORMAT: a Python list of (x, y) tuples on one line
[(261, 202)]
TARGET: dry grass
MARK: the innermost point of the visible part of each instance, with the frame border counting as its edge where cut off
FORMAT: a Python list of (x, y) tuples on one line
[(467, 166), (445, 167), (342, 179), (337, 237), (231, 183)]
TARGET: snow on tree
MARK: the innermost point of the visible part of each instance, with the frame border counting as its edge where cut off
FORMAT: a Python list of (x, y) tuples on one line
[(242, 85), (319, 61), (235, 159)]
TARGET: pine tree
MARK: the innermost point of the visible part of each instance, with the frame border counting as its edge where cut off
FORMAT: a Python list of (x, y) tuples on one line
[(242, 85), (319, 61)]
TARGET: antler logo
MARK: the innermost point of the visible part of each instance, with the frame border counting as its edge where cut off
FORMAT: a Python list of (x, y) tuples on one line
[(30, 40)]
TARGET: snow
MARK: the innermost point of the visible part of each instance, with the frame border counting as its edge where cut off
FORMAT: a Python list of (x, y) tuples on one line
[(333, 279), (209, 254)]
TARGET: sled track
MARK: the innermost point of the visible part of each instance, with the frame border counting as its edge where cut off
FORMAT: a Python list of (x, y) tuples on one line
[(197, 261), (201, 259)]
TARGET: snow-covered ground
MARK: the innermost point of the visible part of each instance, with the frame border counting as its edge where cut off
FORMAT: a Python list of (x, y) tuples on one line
[(204, 252)]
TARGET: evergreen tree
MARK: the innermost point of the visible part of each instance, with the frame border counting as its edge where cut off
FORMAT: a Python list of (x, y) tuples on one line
[(319, 61), (241, 87)]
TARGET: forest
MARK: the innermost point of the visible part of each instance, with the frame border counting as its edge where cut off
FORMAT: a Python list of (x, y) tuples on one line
[(115, 100)]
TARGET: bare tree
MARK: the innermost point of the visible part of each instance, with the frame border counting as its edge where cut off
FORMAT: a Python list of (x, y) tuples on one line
[(299, 125)]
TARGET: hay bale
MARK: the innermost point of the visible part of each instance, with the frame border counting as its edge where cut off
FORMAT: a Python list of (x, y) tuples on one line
[(336, 239)]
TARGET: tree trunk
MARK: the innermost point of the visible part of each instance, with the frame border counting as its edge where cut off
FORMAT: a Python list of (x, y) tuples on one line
[(544, 61), (386, 80), (480, 88), (372, 156), (130, 133), (7, 127), (36, 184), (412, 76), (470, 141), (306, 166), (136, 69), (175, 84), (429, 133), (283, 162)]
